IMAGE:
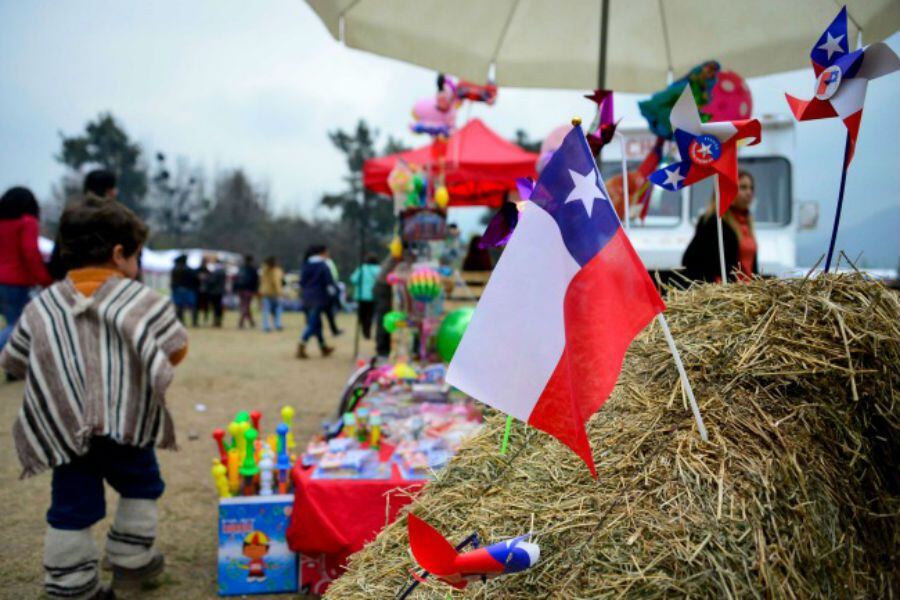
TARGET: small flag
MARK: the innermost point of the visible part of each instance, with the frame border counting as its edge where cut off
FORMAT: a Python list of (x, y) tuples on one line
[(563, 304)]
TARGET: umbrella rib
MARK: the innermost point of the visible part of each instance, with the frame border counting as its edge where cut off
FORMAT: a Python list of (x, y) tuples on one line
[(342, 22), (665, 32), (502, 37)]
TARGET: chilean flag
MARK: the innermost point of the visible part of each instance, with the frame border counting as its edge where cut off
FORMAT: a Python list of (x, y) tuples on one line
[(841, 79), (563, 304)]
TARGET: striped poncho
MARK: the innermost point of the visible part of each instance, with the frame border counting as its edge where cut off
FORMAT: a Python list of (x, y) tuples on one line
[(93, 366)]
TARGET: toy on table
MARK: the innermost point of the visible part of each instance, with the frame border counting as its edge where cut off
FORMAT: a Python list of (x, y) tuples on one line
[(283, 461), (255, 416), (219, 476), (287, 417), (424, 284), (362, 424), (234, 480), (219, 435), (350, 424), (438, 557), (266, 466), (375, 430), (249, 468)]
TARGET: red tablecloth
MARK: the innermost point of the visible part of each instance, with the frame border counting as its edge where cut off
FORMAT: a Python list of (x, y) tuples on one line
[(337, 517)]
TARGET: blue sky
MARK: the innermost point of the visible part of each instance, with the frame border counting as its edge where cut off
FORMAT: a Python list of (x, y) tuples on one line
[(231, 83)]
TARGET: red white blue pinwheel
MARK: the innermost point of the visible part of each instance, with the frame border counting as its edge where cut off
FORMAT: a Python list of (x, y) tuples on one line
[(841, 81)]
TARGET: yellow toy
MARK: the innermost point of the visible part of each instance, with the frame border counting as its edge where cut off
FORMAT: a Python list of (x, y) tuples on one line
[(287, 417), (234, 478), (219, 476)]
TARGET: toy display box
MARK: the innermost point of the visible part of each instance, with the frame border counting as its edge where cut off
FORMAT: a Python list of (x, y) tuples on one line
[(253, 553)]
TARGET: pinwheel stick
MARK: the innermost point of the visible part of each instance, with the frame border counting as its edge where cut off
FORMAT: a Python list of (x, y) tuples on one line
[(719, 232), (840, 204), (506, 430), (684, 378), (625, 195)]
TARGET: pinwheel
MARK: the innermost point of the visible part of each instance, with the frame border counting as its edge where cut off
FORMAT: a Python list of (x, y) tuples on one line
[(706, 149), (437, 556), (841, 80)]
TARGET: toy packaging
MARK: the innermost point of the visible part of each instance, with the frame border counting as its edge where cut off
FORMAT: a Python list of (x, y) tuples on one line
[(253, 553)]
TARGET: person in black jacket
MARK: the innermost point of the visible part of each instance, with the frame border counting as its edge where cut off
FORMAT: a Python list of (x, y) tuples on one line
[(185, 284), (318, 288), (701, 259), (246, 286)]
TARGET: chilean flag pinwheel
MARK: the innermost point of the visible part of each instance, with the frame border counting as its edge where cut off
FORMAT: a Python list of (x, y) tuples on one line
[(841, 79), (438, 557), (706, 149)]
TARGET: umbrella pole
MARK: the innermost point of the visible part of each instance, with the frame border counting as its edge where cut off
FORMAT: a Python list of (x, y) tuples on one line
[(601, 58)]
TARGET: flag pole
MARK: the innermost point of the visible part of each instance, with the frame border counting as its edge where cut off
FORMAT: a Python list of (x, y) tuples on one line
[(719, 233), (627, 199), (840, 204), (686, 384)]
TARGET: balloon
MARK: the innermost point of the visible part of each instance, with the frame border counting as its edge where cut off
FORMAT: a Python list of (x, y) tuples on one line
[(442, 197), (451, 331), (435, 114), (424, 284), (394, 320), (404, 371), (731, 98)]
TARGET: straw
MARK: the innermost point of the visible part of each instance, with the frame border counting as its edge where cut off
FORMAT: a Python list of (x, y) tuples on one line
[(796, 494)]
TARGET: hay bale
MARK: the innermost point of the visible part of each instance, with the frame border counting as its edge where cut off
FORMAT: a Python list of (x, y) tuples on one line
[(796, 494)]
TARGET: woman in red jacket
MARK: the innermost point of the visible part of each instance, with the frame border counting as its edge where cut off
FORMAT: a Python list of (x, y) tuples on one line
[(21, 265)]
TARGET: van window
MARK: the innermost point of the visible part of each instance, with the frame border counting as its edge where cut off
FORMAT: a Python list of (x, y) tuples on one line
[(665, 205), (772, 195)]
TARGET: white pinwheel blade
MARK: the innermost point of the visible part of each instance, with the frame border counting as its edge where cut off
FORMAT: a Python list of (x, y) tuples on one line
[(878, 60)]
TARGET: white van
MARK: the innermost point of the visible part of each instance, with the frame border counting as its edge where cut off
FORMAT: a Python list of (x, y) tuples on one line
[(672, 216)]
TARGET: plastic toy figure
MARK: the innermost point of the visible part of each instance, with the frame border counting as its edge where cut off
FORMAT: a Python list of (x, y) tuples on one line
[(256, 546)]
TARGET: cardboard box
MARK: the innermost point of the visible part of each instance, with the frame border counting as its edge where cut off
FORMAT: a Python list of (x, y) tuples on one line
[(254, 557)]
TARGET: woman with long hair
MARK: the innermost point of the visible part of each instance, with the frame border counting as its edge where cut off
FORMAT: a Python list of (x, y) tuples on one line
[(701, 259), (21, 265)]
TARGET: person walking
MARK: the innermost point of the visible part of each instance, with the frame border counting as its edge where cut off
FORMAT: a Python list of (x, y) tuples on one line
[(383, 299), (363, 282), (21, 265), (701, 258), (203, 290), (247, 286), (216, 291), (317, 288), (185, 284), (271, 288), (335, 304)]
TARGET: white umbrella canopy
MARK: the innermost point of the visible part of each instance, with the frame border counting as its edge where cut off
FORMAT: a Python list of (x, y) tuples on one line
[(556, 44)]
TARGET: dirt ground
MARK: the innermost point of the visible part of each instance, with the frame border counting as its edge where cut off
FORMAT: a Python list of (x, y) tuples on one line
[(227, 370)]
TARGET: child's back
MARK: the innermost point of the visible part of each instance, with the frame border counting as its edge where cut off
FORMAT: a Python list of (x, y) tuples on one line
[(97, 352)]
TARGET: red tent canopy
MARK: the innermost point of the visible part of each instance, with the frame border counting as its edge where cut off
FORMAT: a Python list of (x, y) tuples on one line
[(481, 167)]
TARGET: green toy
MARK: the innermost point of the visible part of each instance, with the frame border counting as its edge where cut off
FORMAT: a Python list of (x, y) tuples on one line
[(250, 468), (394, 320)]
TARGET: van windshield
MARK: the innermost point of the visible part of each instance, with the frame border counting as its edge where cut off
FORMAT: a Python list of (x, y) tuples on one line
[(772, 191), (665, 206)]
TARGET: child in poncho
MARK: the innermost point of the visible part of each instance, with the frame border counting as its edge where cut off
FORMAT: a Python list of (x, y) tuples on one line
[(97, 351)]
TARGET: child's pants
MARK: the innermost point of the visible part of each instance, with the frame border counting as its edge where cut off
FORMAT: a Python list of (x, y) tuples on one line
[(77, 502)]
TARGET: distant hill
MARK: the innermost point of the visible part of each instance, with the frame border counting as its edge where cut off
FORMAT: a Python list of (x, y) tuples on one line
[(877, 238)]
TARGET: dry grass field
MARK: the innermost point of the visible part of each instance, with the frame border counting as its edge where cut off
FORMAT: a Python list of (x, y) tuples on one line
[(227, 370)]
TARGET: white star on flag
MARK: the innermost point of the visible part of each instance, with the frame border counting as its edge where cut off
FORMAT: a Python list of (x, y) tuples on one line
[(705, 150), (832, 44), (673, 178), (586, 189)]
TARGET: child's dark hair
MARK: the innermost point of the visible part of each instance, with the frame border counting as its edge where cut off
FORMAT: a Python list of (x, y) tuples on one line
[(18, 201), (91, 228)]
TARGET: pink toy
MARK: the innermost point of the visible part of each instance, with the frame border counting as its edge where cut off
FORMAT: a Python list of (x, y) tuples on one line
[(731, 98)]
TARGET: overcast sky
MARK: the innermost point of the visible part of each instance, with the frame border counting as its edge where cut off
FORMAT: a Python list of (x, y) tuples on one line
[(231, 83)]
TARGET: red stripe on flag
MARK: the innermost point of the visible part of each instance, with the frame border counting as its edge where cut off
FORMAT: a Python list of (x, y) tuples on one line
[(609, 301)]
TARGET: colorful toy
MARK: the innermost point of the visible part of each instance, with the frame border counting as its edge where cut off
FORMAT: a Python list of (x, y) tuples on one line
[(219, 436), (249, 468), (375, 430), (436, 115), (396, 248), (255, 416), (242, 417), (731, 98), (437, 556), (283, 462), (350, 425), (234, 480), (603, 127), (424, 285), (362, 424), (219, 473), (266, 465), (287, 417), (451, 331), (404, 372), (441, 196)]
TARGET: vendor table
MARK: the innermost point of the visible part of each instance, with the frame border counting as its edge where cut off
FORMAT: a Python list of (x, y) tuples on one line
[(333, 518)]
